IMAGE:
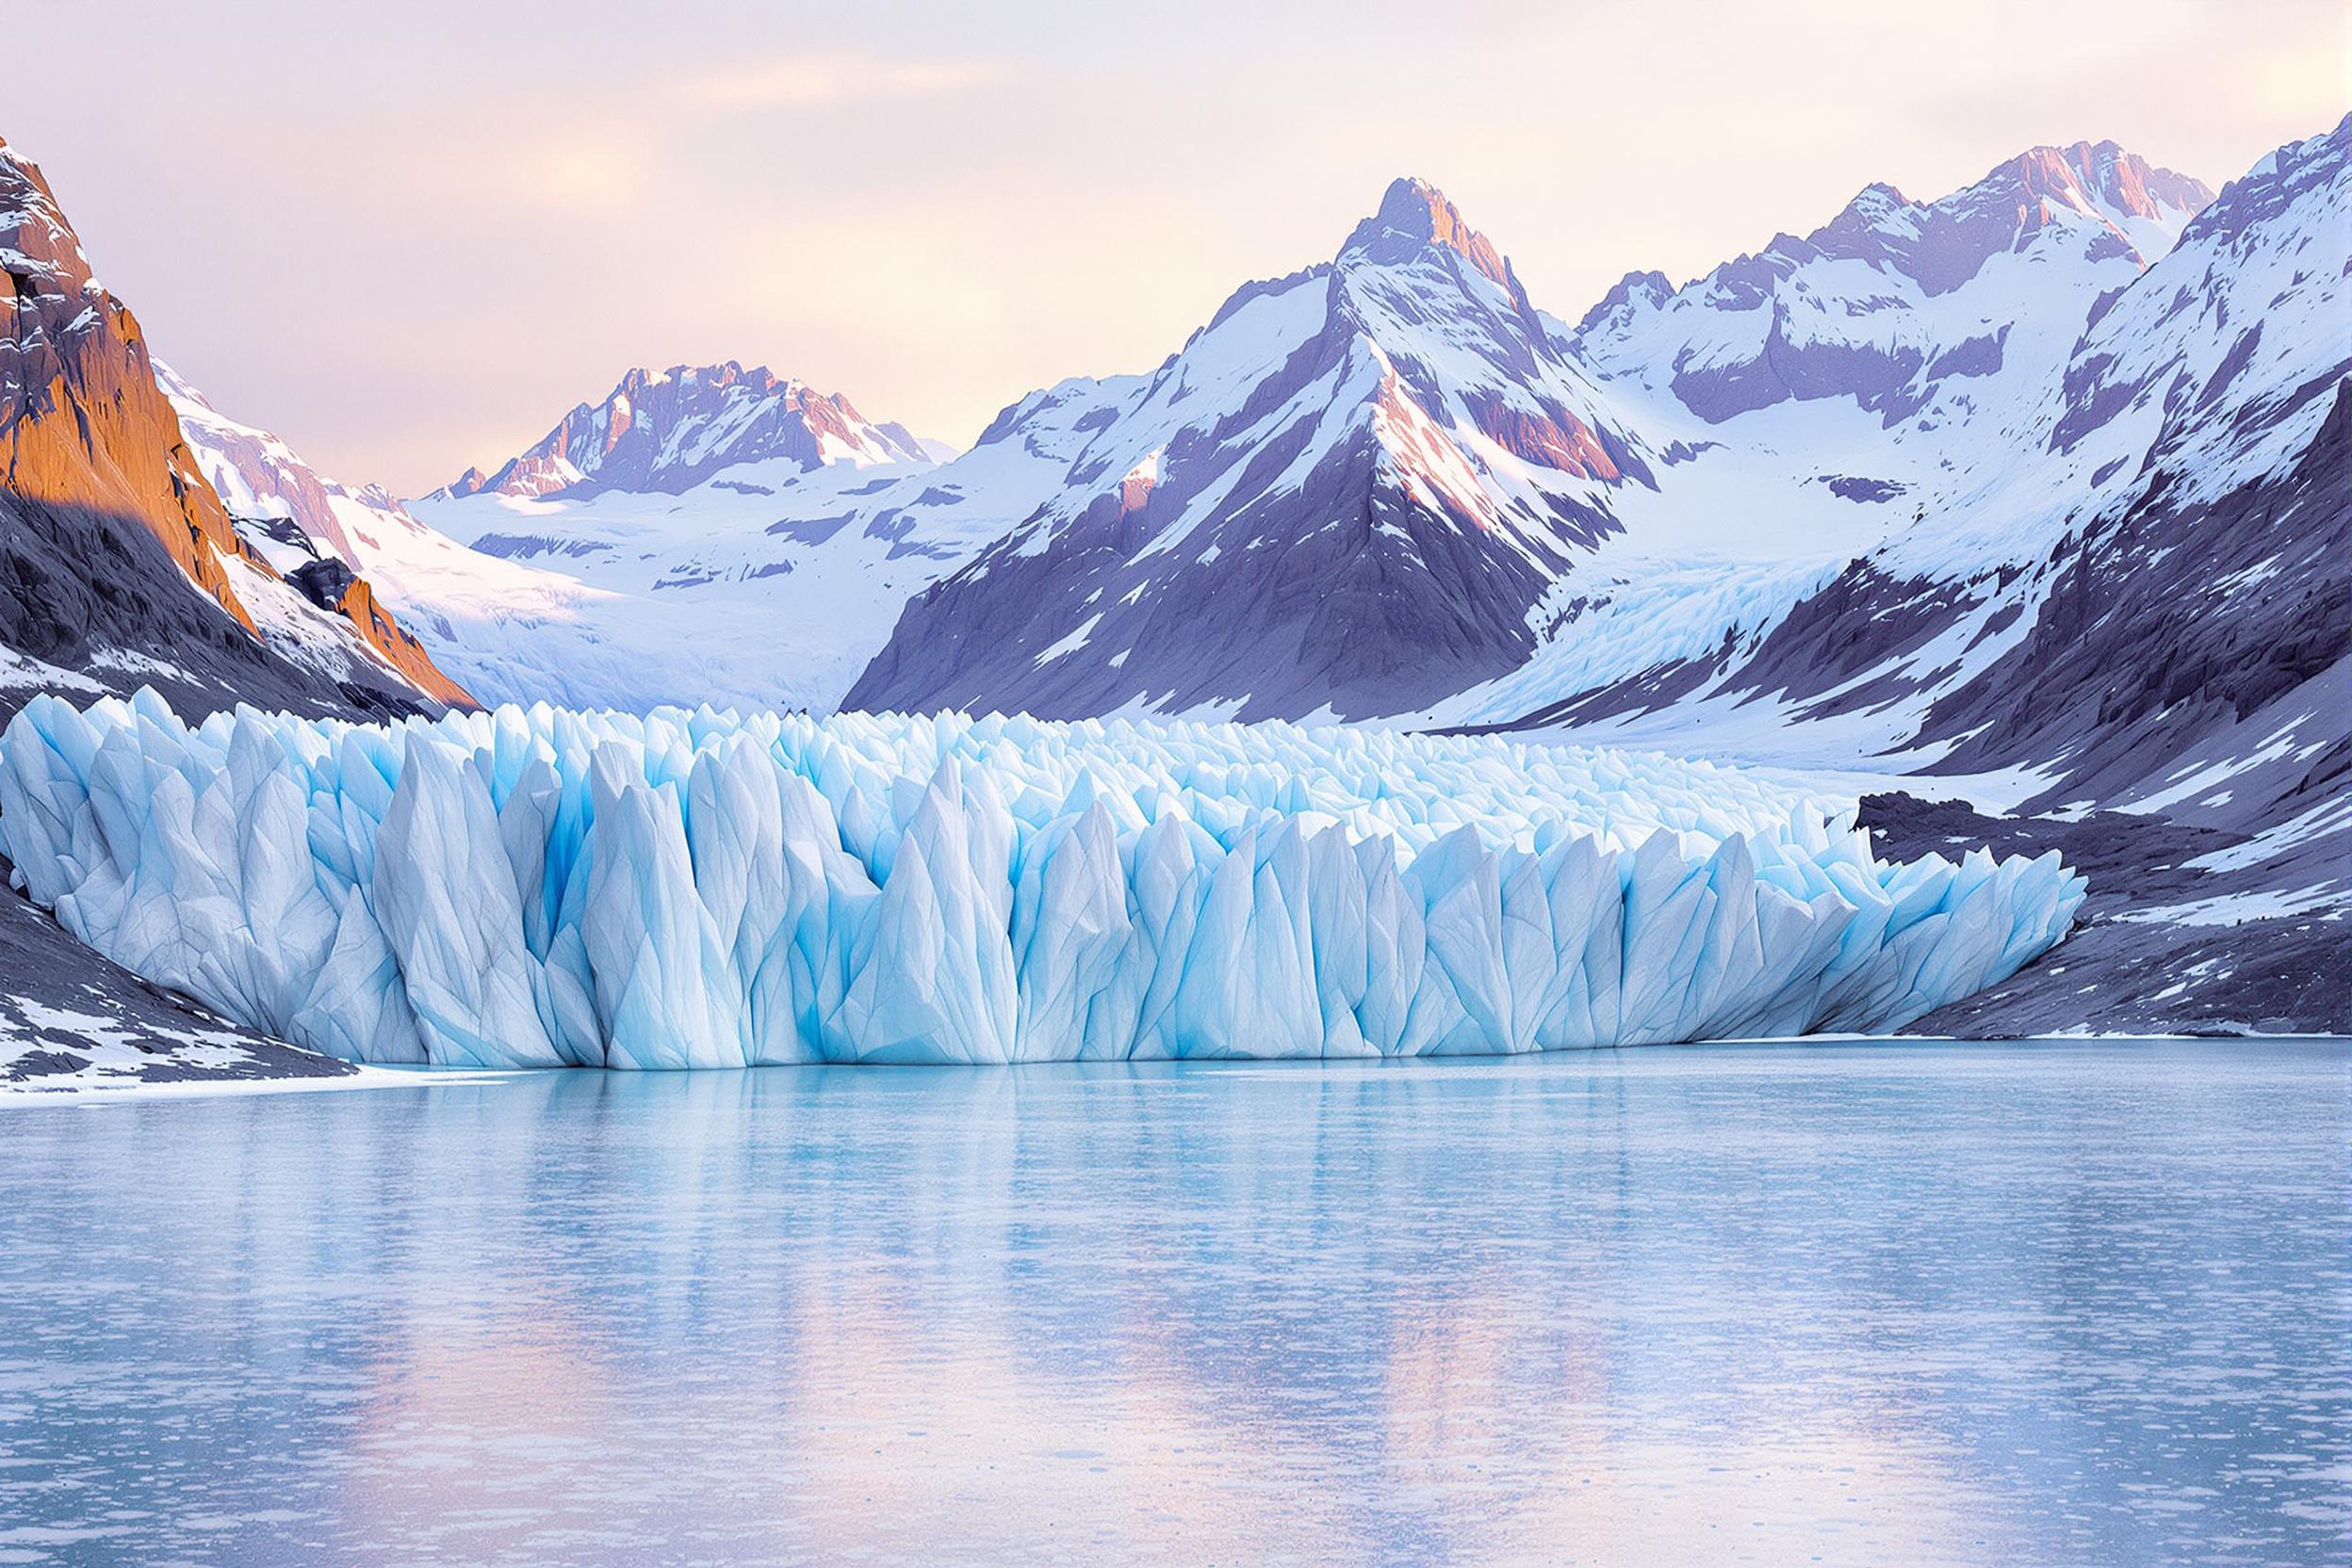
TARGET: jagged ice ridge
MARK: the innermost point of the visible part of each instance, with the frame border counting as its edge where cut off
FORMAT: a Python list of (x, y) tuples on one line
[(545, 886)]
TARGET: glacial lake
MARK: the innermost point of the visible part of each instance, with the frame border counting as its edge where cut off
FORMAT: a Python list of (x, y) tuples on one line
[(2054, 1303)]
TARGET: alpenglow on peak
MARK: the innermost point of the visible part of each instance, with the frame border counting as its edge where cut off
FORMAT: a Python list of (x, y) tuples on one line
[(1413, 214), (670, 429)]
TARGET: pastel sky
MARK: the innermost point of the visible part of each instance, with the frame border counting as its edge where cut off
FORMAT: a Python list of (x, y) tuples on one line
[(409, 237)]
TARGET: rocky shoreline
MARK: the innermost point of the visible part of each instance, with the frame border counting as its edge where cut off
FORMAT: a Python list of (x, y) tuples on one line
[(2162, 945), (69, 1020)]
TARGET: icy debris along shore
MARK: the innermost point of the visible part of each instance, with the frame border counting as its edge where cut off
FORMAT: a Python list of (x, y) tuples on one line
[(545, 886)]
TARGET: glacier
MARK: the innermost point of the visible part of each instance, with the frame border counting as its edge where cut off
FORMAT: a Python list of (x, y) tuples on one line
[(545, 887)]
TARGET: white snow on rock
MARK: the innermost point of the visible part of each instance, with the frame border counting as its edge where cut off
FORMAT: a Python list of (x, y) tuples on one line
[(2039, 367), (545, 887)]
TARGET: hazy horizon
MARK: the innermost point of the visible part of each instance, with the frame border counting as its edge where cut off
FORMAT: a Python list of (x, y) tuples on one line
[(408, 243)]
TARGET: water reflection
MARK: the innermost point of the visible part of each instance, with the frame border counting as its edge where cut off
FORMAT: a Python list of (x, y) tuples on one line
[(2083, 1304)]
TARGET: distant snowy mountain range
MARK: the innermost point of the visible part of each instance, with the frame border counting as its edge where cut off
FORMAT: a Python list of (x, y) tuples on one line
[(667, 430), (1386, 486), (2103, 404), (1852, 465), (2040, 482)]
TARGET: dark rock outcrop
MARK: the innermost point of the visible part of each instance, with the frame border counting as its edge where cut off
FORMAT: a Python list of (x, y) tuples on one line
[(71, 1020), (2131, 965)]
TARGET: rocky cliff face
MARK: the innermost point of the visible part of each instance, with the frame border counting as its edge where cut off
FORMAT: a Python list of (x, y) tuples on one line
[(119, 562), (82, 421)]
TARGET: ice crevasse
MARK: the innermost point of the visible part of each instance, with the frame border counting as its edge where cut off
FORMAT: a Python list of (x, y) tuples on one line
[(544, 886)]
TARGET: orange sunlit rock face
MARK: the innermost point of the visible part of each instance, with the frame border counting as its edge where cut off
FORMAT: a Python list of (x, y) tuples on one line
[(1134, 490), (85, 424), (2092, 176), (1447, 229), (82, 422), (1564, 442), (375, 625)]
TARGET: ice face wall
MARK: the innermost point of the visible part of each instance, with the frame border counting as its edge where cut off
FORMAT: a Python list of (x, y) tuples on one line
[(546, 888)]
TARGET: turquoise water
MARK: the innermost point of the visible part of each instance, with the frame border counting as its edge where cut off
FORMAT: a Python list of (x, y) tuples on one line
[(2058, 1302)]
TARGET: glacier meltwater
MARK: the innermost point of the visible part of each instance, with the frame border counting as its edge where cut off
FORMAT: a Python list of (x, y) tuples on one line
[(541, 886)]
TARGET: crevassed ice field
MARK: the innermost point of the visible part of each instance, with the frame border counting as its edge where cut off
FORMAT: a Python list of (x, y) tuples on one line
[(544, 886)]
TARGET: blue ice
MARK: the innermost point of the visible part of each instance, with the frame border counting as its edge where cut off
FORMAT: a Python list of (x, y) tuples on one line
[(544, 886)]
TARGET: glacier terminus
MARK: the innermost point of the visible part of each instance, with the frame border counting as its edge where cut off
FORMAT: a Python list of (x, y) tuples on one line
[(544, 886)]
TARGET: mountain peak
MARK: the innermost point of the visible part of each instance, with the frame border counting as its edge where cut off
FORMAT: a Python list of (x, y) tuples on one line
[(471, 483), (2101, 177), (1634, 293), (644, 378), (1878, 198), (669, 429), (1414, 215)]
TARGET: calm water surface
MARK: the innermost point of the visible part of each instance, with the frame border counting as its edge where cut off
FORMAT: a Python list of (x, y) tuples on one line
[(2051, 1303)]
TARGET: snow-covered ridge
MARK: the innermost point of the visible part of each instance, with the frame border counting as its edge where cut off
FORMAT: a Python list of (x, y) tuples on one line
[(668, 431), (1896, 303), (2222, 366), (500, 626), (1877, 439), (548, 886), (768, 584)]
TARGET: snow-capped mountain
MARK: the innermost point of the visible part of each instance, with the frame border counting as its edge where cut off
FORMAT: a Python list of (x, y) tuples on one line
[(1364, 489), (668, 431), (1824, 395), (507, 629), (2202, 584), (2125, 590), (122, 566), (1896, 303), (1342, 495), (768, 584), (2209, 369), (1372, 468)]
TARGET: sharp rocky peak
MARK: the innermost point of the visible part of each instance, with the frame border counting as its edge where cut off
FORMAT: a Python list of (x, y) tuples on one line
[(643, 379), (1415, 215), (2098, 180), (2104, 174)]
